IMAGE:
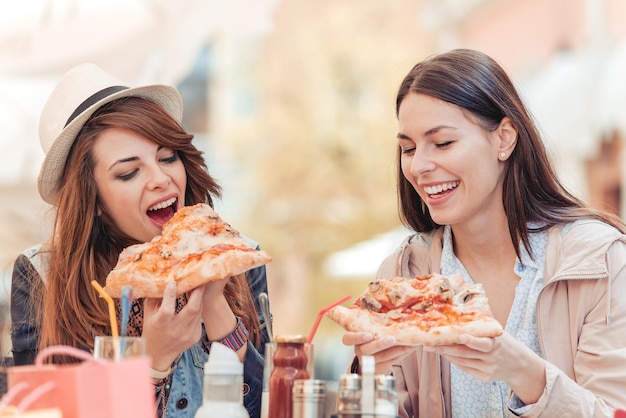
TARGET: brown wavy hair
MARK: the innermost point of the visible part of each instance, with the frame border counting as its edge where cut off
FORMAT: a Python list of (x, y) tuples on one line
[(85, 246), (531, 191)]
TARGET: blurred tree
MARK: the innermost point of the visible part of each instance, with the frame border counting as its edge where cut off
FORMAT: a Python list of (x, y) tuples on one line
[(319, 145)]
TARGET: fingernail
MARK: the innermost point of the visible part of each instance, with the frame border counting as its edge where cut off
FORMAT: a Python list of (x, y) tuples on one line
[(367, 338), (171, 285), (389, 341)]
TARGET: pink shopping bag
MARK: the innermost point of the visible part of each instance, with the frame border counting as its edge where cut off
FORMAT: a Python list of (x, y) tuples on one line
[(7, 409), (92, 389)]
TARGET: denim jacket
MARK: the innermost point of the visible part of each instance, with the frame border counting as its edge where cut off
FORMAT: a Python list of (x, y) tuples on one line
[(185, 395)]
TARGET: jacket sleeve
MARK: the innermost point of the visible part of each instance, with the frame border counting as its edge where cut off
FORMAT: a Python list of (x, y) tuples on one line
[(254, 360), (24, 332), (600, 358)]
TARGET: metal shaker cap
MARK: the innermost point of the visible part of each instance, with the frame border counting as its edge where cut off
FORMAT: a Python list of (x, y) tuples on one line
[(309, 386), (385, 383), (350, 381)]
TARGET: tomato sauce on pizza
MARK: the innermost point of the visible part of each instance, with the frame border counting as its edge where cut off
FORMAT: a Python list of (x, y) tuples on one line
[(425, 310), (196, 246)]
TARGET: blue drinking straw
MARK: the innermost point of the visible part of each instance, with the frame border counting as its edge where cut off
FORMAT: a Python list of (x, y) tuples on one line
[(126, 300)]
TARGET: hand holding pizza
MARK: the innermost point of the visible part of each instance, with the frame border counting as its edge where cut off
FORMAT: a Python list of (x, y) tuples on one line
[(168, 333), (489, 359), (384, 350), (196, 253), (219, 319), (394, 316), (214, 290)]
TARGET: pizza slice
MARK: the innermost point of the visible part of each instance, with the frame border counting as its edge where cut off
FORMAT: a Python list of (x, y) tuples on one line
[(195, 247), (425, 310)]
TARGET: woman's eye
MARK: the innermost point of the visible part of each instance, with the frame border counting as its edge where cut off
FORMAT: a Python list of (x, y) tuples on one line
[(172, 158), (406, 151), (443, 144), (127, 176)]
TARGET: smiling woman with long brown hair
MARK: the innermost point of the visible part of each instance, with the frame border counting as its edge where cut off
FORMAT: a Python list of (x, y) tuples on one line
[(476, 185)]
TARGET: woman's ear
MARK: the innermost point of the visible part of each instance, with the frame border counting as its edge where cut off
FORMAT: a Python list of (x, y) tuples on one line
[(507, 136)]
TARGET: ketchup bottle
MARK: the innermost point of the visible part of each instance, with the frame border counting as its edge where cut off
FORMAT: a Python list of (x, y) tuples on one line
[(290, 363)]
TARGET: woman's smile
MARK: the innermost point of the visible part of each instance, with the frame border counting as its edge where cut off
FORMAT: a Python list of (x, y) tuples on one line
[(440, 190)]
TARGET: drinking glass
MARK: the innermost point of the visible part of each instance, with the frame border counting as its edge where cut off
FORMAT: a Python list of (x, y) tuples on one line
[(107, 347)]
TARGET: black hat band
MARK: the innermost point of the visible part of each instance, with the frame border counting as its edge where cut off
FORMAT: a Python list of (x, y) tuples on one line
[(94, 98)]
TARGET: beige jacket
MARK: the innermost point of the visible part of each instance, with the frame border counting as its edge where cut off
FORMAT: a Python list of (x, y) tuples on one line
[(581, 320)]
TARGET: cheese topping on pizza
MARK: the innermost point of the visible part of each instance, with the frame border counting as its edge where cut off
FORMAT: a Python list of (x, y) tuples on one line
[(185, 239), (429, 298), (428, 309), (195, 247)]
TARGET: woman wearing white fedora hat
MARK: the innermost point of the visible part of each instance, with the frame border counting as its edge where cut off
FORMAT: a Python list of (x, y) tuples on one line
[(118, 164)]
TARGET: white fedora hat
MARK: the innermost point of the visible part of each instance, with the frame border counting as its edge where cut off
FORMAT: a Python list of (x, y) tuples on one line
[(81, 91)]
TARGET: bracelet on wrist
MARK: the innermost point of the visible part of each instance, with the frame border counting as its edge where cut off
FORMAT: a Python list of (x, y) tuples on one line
[(237, 338), (160, 375)]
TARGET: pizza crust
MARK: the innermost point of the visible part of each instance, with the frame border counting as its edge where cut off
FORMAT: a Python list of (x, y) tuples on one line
[(196, 247), (426, 310), (407, 334)]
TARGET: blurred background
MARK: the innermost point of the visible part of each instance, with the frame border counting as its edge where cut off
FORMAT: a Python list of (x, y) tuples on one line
[(293, 102)]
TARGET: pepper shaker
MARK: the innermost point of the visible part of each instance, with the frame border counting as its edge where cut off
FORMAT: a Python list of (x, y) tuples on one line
[(386, 402), (349, 395), (309, 398)]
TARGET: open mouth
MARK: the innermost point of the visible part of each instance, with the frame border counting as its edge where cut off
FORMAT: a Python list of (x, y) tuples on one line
[(441, 189), (163, 211)]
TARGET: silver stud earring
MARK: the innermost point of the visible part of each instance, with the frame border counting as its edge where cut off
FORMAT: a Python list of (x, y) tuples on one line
[(502, 154)]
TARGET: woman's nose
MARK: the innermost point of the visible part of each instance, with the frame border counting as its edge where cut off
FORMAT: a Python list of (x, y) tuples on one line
[(158, 178), (421, 163)]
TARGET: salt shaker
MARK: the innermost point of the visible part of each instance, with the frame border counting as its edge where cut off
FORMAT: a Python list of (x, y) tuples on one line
[(386, 402), (349, 395), (309, 398)]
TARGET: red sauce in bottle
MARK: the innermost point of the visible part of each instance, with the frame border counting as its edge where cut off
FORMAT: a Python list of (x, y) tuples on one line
[(290, 362)]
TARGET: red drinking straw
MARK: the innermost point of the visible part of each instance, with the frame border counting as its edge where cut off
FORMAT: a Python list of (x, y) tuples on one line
[(321, 314)]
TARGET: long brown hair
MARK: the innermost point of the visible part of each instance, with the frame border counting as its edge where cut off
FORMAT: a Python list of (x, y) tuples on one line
[(85, 246), (531, 191)]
